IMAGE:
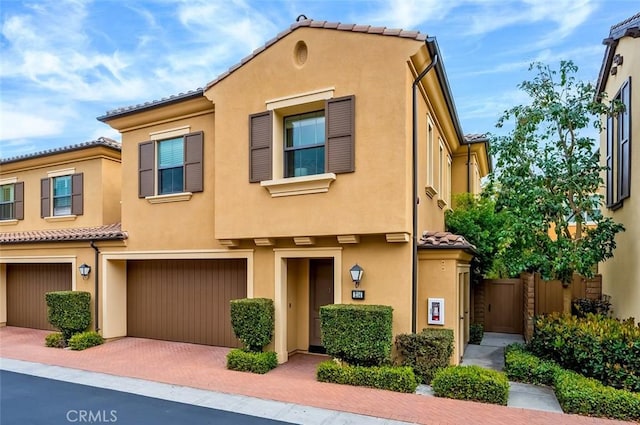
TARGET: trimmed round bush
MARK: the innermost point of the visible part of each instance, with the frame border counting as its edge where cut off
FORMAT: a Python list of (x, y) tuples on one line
[(84, 340), (253, 322), (425, 352), (471, 383), (69, 311), (54, 340), (248, 361)]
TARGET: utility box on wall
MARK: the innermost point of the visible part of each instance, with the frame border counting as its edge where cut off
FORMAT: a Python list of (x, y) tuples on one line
[(435, 309)]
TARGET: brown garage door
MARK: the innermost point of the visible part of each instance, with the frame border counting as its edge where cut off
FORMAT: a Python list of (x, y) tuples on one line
[(184, 300), (26, 286)]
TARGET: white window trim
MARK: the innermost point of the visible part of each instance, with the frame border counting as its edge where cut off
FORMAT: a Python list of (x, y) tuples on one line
[(57, 218), (169, 197), (300, 99), (158, 137), (169, 133), (8, 222), (303, 185), (61, 173), (429, 190), (10, 180)]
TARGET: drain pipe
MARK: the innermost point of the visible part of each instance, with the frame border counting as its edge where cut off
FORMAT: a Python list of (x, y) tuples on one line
[(95, 284), (414, 275)]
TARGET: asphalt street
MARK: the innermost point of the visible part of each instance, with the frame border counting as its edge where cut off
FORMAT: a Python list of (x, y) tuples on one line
[(26, 399)]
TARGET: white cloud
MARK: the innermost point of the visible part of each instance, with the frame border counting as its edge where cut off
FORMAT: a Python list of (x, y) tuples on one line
[(21, 122), (408, 14)]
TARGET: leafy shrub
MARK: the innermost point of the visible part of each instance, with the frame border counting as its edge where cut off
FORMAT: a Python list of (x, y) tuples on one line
[(521, 366), (425, 352), (85, 340), (582, 306), (55, 340), (471, 383), (249, 361), (595, 346), (252, 320), (69, 311), (476, 332), (394, 378), (357, 334), (586, 396)]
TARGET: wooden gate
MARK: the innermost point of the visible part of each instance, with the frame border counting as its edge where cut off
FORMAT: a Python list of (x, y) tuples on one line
[(503, 305)]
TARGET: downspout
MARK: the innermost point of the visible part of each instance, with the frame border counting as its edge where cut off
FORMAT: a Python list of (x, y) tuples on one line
[(414, 275), (95, 283), (468, 167)]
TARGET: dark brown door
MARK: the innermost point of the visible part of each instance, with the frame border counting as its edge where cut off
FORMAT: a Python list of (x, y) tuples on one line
[(184, 300), (26, 286), (503, 306), (320, 293)]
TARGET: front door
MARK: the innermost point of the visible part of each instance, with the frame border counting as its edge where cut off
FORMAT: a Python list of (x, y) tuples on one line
[(320, 293)]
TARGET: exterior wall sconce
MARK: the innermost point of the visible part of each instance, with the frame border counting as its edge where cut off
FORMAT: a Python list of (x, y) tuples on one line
[(356, 274), (85, 269)]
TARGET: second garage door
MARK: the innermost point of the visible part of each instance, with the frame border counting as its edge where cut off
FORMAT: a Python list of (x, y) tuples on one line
[(26, 286), (184, 300)]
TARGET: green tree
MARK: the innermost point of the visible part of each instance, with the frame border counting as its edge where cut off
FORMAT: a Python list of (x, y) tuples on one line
[(548, 178)]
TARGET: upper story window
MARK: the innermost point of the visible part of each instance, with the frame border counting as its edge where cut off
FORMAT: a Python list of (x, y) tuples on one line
[(62, 195), (315, 141), (619, 150), (304, 141), (171, 166), (12, 201)]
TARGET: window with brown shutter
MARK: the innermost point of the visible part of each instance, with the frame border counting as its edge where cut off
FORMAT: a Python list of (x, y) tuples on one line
[(77, 194), (45, 191), (260, 145), (193, 156), (19, 201), (146, 169), (618, 154), (340, 129)]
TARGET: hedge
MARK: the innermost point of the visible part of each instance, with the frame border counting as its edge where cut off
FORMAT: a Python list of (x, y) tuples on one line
[(471, 383), (248, 361), (252, 320), (357, 334), (476, 333), (55, 340), (425, 352), (595, 346), (575, 393), (84, 340), (394, 378), (69, 311)]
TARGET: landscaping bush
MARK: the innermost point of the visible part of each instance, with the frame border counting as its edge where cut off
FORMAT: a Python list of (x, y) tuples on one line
[(55, 340), (357, 334), (595, 346), (425, 352), (582, 306), (85, 340), (476, 333), (394, 378), (252, 320), (471, 383), (248, 361), (522, 366), (586, 396), (69, 311)]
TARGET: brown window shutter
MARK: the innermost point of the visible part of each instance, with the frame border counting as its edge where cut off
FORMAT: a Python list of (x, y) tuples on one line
[(260, 145), (45, 204), (624, 149), (18, 202), (146, 169), (77, 194), (193, 156), (609, 163), (340, 132)]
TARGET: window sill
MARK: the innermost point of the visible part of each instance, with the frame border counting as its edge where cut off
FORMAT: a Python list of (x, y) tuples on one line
[(318, 183), (8, 222), (172, 197), (430, 191), (57, 218)]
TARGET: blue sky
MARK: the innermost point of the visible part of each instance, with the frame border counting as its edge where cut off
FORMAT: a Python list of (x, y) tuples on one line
[(63, 63)]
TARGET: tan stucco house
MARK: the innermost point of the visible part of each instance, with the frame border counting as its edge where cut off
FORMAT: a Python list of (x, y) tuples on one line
[(57, 209), (332, 145), (620, 79)]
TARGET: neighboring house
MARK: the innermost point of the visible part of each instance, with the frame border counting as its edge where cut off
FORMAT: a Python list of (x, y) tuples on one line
[(54, 206), (283, 174), (620, 79)]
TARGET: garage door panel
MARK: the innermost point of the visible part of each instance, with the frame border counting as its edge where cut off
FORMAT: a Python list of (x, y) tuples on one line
[(184, 300), (26, 286)]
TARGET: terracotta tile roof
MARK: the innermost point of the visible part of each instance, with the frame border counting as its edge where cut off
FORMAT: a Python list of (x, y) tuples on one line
[(444, 240), (100, 141), (98, 233), (152, 104)]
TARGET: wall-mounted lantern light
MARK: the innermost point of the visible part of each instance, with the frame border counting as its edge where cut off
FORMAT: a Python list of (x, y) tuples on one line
[(356, 274), (85, 269)]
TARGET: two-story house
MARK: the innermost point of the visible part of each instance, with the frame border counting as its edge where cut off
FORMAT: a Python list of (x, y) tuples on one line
[(332, 146), (620, 79), (57, 209)]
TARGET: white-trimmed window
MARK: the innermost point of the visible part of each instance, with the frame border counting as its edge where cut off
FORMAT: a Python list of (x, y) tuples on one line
[(12, 201), (62, 194)]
